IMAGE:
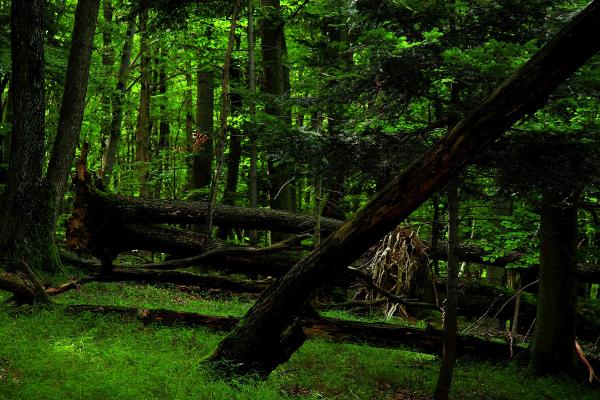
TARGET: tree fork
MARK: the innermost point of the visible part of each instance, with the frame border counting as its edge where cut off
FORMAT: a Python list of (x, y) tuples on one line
[(250, 347)]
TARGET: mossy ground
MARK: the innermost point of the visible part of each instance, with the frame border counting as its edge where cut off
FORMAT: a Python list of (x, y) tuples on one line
[(47, 354)]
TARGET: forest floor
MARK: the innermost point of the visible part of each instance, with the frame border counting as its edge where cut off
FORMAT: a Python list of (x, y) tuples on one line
[(48, 354)]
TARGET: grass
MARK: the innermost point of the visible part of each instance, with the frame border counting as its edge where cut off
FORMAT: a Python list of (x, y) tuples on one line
[(47, 354)]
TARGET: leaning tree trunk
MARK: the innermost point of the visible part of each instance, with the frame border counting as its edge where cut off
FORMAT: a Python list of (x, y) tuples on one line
[(269, 332), (73, 102), (553, 348), (25, 210)]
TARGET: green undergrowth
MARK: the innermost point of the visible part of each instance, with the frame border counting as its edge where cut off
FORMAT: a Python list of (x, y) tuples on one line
[(47, 354)]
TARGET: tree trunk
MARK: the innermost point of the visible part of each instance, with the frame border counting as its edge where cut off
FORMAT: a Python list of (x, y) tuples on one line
[(444, 382), (73, 102), (274, 87), (93, 204), (25, 212), (553, 348), (268, 334), (225, 109), (235, 150), (203, 148), (164, 128), (110, 155), (435, 234), (253, 178), (107, 64), (142, 132)]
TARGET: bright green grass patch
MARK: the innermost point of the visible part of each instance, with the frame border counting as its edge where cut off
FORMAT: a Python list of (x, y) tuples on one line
[(47, 354)]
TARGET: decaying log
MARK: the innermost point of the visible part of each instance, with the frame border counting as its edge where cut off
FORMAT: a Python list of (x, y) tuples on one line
[(105, 224), (374, 334), (174, 277)]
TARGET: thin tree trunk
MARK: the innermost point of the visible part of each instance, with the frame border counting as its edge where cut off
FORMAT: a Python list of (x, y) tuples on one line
[(107, 63), (73, 102), (435, 233), (318, 202), (253, 185), (444, 382), (142, 132), (110, 155), (234, 155), (225, 106), (164, 129), (269, 333), (203, 147)]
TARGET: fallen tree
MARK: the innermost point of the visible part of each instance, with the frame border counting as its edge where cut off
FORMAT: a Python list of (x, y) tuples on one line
[(108, 224), (268, 334), (374, 334), (173, 277)]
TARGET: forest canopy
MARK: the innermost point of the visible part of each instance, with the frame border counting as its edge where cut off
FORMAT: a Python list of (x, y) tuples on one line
[(426, 161)]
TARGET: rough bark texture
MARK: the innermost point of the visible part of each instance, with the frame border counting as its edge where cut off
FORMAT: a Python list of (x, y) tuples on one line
[(265, 336), (73, 101), (553, 348), (25, 211), (93, 207)]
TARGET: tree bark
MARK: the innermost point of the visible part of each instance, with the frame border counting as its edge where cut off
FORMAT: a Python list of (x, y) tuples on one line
[(93, 204), (25, 211), (274, 87), (253, 178), (107, 64), (225, 109), (203, 149), (234, 155), (267, 335), (73, 102), (110, 155), (553, 348), (143, 129), (444, 382)]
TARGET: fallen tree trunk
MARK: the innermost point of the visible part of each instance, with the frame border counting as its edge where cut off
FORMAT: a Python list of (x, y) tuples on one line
[(107, 224), (374, 334), (268, 334), (173, 277)]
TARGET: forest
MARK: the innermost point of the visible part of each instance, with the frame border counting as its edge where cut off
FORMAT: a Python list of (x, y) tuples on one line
[(300, 199)]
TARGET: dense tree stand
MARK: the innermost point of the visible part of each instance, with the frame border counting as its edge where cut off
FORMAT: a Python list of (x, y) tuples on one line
[(269, 332)]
